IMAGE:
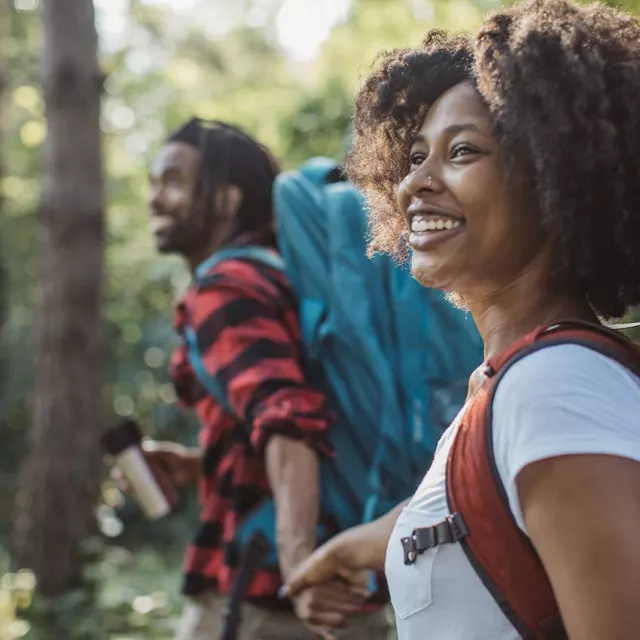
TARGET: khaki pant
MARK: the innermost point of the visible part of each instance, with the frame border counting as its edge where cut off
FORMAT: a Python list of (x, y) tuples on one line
[(203, 620)]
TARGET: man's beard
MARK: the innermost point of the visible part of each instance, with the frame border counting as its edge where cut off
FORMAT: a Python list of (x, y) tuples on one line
[(186, 236)]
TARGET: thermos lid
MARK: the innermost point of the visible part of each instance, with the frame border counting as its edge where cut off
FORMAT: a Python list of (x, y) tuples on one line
[(119, 438)]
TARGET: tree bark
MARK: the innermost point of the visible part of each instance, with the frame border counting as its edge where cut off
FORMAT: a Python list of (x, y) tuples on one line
[(5, 18), (61, 475)]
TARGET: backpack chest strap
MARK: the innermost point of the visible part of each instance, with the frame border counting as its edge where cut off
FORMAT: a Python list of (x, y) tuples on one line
[(451, 530)]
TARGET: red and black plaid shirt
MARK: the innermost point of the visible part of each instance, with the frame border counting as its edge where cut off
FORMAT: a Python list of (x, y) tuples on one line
[(246, 323)]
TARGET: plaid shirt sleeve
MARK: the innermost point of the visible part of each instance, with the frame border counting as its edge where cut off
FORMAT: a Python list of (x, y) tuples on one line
[(246, 325)]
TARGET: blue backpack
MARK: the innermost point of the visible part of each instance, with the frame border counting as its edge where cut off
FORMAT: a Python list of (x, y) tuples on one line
[(393, 357)]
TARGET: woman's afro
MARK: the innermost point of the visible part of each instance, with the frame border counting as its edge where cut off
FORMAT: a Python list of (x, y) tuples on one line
[(562, 83)]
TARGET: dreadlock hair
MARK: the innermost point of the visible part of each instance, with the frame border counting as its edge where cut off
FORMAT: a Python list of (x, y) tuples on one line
[(229, 156), (562, 83)]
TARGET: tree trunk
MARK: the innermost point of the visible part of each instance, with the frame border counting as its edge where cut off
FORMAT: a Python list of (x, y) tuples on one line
[(61, 475), (5, 18)]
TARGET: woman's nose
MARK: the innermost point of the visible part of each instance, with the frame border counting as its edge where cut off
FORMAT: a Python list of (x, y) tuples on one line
[(416, 183), (422, 179)]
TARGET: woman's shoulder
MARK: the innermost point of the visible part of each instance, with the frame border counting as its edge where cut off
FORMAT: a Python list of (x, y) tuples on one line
[(565, 399), (565, 369)]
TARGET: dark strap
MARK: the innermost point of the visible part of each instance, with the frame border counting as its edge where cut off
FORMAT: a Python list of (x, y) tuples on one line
[(251, 561), (553, 629), (451, 530)]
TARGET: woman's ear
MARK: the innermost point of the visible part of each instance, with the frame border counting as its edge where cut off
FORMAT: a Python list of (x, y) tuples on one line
[(228, 201)]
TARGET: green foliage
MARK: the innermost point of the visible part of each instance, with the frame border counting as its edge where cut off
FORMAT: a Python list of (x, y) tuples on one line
[(16, 592), (125, 596)]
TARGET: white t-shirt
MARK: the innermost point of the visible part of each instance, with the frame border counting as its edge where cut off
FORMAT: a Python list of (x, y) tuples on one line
[(562, 400)]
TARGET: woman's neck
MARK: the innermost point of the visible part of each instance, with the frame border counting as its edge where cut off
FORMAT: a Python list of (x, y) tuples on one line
[(531, 300)]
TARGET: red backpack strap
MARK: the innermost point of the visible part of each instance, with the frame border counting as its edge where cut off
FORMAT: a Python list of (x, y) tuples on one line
[(501, 554)]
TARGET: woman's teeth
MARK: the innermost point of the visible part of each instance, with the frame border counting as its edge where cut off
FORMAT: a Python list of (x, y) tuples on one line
[(419, 225)]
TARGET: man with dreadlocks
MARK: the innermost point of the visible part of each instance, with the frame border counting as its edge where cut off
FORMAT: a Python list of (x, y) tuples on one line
[(212, 190)]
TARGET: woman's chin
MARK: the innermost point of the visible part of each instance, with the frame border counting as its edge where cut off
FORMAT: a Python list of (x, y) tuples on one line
[(432, 281), (428, 275)]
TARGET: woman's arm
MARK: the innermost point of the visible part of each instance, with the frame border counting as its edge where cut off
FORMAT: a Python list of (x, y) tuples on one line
[(347, 555), (582, 513)]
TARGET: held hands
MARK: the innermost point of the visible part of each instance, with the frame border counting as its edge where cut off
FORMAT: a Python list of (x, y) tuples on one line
[(327, 587), (333, 561), (173, 466), (345, 558), (326, 607)]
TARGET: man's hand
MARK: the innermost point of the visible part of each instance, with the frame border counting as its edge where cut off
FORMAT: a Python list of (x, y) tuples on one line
[(173, 466), (325, 608)]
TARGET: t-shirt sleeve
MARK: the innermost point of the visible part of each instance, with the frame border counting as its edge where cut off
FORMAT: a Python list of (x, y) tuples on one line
[(563, 400)]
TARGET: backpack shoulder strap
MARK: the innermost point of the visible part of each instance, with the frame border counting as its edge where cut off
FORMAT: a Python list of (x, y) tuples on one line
[(261, 255), (261, 522), (501, 554), (205, 274)]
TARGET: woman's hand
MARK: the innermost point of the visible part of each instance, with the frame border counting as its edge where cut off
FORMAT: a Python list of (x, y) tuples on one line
[(327, 607), (347, 556), (331, 561)]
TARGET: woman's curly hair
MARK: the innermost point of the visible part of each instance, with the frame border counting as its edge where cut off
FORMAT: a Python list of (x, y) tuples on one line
[(562, 83)]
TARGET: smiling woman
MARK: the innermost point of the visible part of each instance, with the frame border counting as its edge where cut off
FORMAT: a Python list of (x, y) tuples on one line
[(456, 183), (559, 96), (508, 165)]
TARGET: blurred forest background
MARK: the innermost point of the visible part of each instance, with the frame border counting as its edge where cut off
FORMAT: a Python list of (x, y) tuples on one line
[(284, 69)]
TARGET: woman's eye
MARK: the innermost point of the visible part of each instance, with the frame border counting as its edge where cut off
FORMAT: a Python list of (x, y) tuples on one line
[(417, 159), (462, 150)]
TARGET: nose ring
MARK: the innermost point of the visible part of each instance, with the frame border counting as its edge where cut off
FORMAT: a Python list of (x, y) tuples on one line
[(429, 182)]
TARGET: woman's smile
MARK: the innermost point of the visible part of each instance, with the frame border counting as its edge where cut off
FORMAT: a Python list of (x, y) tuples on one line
[(430, 226)]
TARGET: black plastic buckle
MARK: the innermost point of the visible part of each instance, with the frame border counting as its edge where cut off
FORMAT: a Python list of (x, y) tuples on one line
[(458, 526), (426, 538), (451, 530), (410, 549)]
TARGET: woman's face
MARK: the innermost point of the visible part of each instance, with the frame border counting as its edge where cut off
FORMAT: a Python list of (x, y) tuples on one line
[(471, 230)]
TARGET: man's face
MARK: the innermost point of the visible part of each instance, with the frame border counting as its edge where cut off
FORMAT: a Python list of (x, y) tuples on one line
[(173, 180)]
